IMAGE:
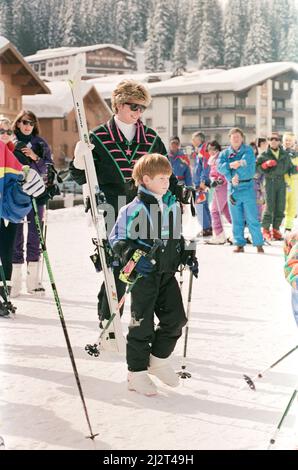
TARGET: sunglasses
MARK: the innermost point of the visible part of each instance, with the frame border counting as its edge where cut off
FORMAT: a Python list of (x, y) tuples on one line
[(274, 138), (136, 107), (26, 122), (6, 131)]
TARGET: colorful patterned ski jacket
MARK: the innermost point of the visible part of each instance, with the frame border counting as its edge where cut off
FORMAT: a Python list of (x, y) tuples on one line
[(142, 221), (291, 259), (14, 203)]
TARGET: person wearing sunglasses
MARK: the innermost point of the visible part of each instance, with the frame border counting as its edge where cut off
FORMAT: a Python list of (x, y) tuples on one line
[(30, 149), (275, 163), (16, 187), (116, 146)]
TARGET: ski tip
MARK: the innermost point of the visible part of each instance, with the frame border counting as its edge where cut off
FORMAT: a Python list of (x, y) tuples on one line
[(249, 382)]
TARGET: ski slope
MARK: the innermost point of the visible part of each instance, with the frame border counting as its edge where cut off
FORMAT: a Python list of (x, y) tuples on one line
[(241, 322)]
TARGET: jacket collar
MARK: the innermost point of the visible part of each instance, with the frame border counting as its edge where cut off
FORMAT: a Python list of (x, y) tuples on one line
[(117, 136)]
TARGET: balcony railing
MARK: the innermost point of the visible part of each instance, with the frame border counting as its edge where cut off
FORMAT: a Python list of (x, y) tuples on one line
[(220, 127), (222, 107)]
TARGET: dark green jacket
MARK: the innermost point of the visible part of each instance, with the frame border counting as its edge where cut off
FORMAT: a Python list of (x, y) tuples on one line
[(284, 164)]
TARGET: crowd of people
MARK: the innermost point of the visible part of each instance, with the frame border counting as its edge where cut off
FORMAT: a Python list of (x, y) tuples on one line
[(253, 186)]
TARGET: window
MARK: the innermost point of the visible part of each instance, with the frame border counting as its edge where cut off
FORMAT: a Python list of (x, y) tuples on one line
[(279, 104), (207, 102), (217, 120), (74, 126), (64, 125), (43, 66), (241, 121), (206, 121), (50, 74), (286, 86), (276, 85), (240, 102), (50, 64), (279, 123)]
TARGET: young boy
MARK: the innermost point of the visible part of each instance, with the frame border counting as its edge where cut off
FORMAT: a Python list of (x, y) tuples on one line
[(153, 214), (291, 268)]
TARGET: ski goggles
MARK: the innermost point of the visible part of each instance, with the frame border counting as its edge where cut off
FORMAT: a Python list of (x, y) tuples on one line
[(27, 122), (136, 107), (6, 131)]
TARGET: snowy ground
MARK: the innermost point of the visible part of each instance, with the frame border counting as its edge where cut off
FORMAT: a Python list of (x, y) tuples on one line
[(241, 323)]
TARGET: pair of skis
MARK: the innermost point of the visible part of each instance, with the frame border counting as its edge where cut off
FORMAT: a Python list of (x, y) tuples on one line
[(111, 337)]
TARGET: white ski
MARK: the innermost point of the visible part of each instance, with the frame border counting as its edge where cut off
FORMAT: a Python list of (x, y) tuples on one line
[(112, 336)]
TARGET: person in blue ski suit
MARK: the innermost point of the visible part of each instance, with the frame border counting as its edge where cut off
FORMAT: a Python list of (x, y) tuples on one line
[(179, 162), (238, 164)]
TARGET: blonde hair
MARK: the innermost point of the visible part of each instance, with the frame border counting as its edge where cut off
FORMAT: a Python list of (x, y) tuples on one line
[(127, 91), (236, 130), (289, 135), (151, 164), (4, 120)]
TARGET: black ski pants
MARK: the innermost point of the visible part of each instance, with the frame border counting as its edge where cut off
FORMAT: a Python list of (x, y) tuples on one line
[(157, 294), (275, 189), (7, 237)]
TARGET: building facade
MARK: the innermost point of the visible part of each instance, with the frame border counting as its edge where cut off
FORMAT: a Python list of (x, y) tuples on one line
[(94, 61)]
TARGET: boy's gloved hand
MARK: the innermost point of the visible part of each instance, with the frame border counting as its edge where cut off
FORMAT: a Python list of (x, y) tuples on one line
[(144, 266), (193, 264), (33, 183), (81, 149)]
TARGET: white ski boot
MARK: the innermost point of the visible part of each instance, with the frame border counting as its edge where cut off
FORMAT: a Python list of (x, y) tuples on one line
[(16, 280), (33, 283), (163, 370), (217, 239), (140, 382)]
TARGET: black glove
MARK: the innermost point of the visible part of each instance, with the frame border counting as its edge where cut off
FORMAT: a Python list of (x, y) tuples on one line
[(144, 266), (193, 264), (217, 182), (183, 193)]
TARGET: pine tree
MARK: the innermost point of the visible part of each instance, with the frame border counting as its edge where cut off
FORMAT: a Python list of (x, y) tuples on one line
[(6, 20), (258, 47), (138, 16), (179, 54), (290, 51), (280, 21), (22, 26), (194, 28), (210, 52), (123, 24), (72, 32), (235, 29), (151, 46), (163, 31)]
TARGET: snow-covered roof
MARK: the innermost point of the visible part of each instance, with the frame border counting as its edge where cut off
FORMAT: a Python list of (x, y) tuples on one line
[(63, 51), (56, 105), (3, 42), (8, 49), (105, 85), (208, 81)]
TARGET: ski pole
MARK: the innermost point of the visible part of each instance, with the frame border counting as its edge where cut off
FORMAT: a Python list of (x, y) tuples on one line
[(7, 303), (259, 375), (183, 373), (45, 229), (290, 403), (61, 316)]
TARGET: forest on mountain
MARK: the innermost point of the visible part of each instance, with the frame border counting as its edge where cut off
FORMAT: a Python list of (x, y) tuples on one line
[(209, 33)]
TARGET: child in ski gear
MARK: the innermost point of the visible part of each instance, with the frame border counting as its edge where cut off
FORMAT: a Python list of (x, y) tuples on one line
[(202, 182), (289, 144), (32, 150), (118, 145), (291, 268), (153, 214), (219, 203), (274, 164), (16, 187), (237, 163), (180, 162)]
